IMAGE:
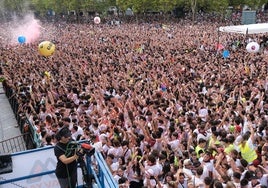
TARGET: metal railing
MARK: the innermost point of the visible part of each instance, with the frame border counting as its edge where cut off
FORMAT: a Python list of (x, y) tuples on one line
[(102, 173), (30, 140), (15, 144), (29, 134)]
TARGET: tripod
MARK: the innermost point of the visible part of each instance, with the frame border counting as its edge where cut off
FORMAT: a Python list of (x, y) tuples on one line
[(86, 176), (88, 150)]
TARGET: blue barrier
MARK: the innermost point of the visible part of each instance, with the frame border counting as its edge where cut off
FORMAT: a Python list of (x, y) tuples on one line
[(104, 173)]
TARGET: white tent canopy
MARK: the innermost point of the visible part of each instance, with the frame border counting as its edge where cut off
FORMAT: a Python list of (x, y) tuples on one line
[(246, 29)]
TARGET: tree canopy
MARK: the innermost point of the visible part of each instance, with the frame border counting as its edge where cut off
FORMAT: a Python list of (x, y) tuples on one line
[(138, 6)]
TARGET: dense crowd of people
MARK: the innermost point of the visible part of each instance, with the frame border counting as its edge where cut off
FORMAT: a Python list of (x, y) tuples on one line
[(157, 99)]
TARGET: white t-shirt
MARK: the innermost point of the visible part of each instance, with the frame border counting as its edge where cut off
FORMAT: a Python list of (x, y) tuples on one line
[(78, 132), (198, 182), (98, 146), (116, 151), (174, 144), (114, 166), (203, 113), (187, 171), (157, 169), (264, 180), (184, 185), (207, 167)]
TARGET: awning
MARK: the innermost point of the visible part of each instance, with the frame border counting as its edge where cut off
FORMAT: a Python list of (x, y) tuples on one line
[(246, 29)]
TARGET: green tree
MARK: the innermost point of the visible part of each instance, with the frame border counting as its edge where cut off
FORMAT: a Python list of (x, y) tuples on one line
[(123, 4), (138, 6), (193, 4), (166, 5), (236, 3), (141, 6), (42, 6), (15, 5), (207, 6), (255, 4), (216, 5)]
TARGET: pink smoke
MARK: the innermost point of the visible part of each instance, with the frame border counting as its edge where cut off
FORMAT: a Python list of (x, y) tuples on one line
[(32, 31), (28, 27)]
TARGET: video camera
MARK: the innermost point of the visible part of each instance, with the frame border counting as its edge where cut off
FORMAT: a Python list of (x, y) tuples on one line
[(87, 150), (80, 149)]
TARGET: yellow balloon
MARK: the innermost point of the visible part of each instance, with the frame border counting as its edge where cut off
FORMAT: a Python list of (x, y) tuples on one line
[(46, 48), (243, 99)]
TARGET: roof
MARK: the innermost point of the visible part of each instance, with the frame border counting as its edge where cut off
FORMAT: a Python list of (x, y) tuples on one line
[(246, 29)]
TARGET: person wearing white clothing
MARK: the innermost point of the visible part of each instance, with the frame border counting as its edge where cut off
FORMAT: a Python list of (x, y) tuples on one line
[(207, 164), (197, 180), (76, 131), (262, 175), (151, 170), (174, 142), (116, 150)]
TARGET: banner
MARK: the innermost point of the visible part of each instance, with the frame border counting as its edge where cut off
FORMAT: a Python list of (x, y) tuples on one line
[(29, 163)]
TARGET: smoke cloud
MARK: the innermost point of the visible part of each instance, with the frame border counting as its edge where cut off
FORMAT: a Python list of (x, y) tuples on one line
[(15, 25), (28, 26)]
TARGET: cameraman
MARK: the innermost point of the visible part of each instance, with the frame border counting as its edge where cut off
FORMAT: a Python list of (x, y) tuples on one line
[(66, 170)]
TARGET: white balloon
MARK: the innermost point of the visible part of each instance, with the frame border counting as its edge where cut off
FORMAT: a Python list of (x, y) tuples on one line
[(253, 47), (97, 20)]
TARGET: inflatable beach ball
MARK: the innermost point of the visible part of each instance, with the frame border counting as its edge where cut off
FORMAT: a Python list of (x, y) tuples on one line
[(21, 39), (253, 47), (225, 54), (97, 20), (46, 48)]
